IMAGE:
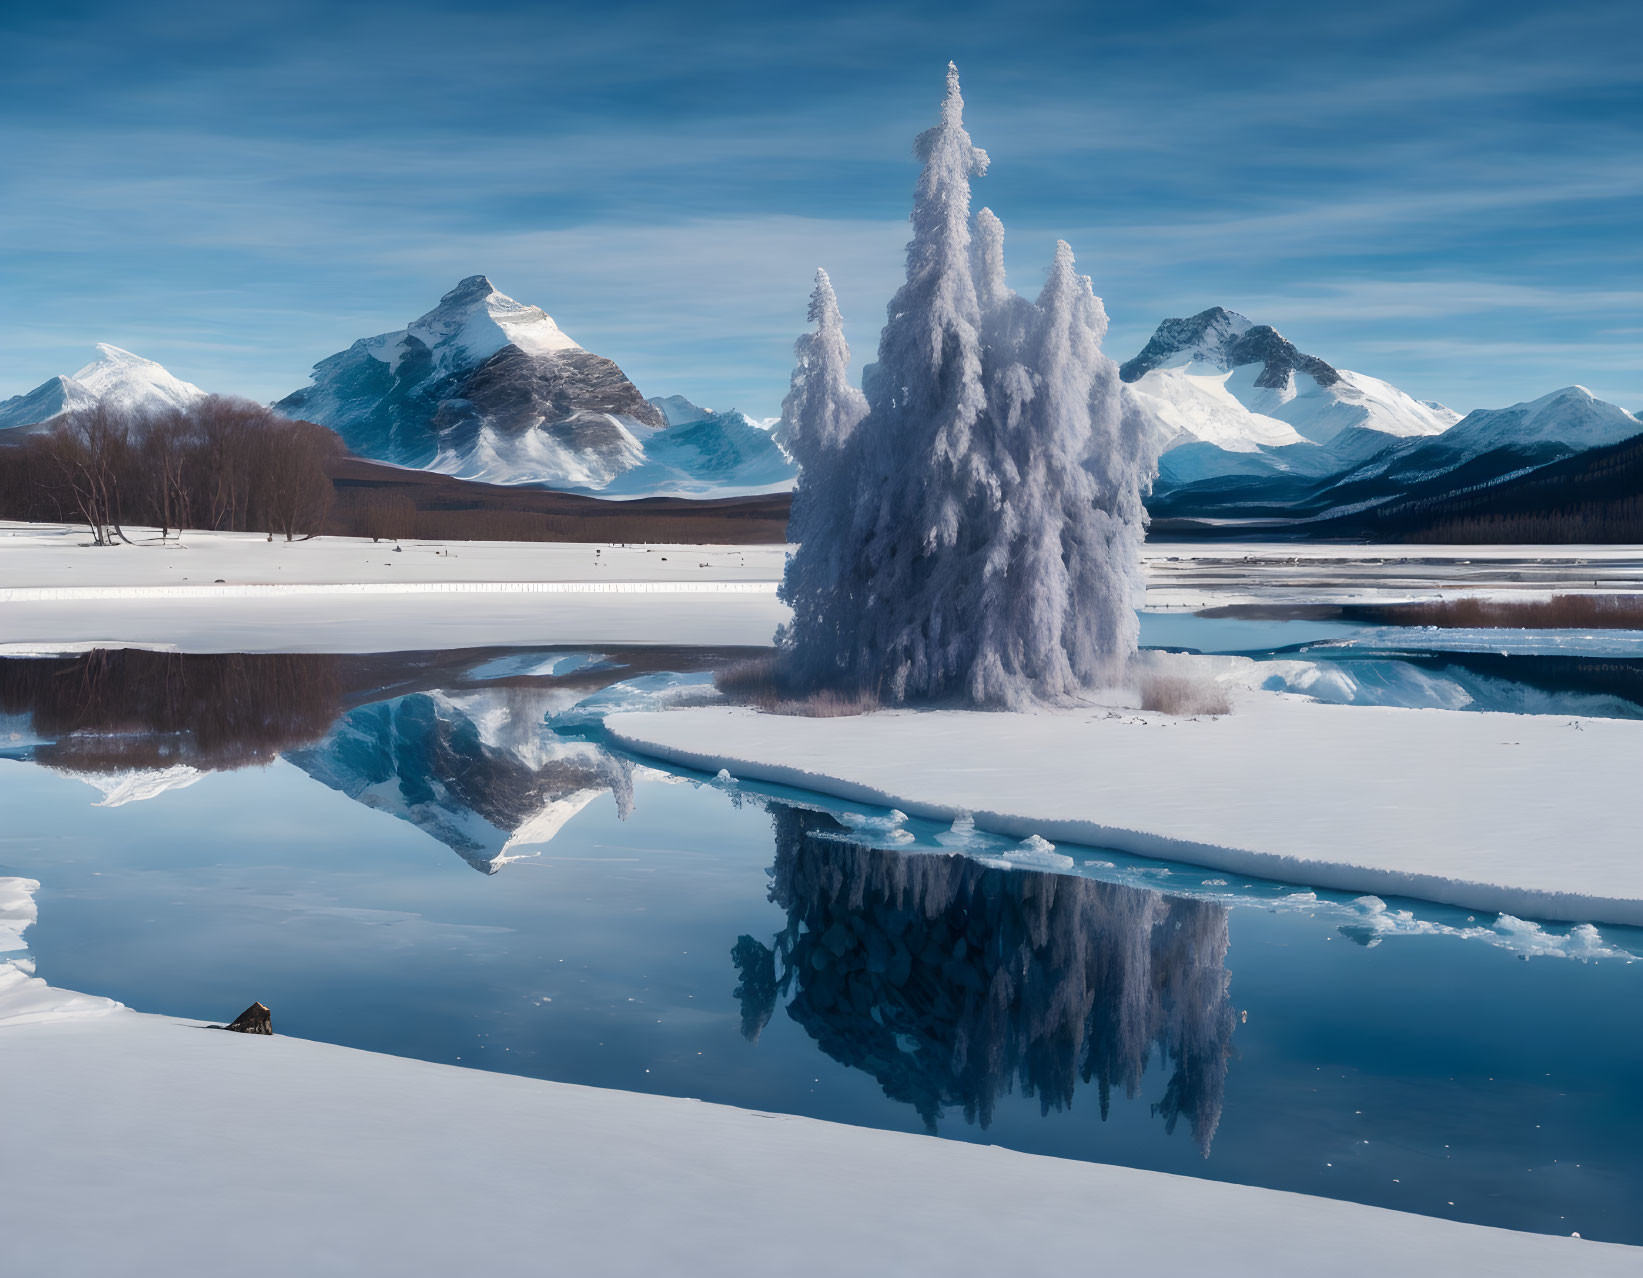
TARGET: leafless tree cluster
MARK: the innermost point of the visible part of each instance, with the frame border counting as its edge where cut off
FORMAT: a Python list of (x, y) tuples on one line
[(110, 710), (223, 463)]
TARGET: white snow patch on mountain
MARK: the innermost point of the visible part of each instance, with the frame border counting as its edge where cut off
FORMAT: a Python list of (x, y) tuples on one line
[(1191, 404), (541, 457), (1320, 413)]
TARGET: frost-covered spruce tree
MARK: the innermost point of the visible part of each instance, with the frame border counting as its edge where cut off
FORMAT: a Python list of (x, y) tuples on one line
[(819, 417), (922, 479), (993, 545)]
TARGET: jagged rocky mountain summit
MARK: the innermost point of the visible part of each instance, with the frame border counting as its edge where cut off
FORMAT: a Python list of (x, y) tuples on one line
[(1228, 395), (116, 376), (485, 387), (482, 387), (1227, 340)]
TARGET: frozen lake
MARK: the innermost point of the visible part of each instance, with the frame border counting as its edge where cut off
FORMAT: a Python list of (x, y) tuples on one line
[(306, 831)]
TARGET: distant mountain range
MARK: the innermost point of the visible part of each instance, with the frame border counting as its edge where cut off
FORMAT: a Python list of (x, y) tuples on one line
[(1257, 432), (117, 376), (1253, 431)]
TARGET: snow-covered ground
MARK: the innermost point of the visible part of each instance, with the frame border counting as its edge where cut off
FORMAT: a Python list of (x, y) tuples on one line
[(144, 1145), (1532, 816), (59, 555), (241, 592)]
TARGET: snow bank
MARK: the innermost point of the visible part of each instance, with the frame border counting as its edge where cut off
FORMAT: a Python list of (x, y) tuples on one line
[(1526, 815), (17, 912), (183, 1145), (24, 998)]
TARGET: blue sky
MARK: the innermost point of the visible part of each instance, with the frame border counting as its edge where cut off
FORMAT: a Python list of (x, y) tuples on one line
[(1443, 194)]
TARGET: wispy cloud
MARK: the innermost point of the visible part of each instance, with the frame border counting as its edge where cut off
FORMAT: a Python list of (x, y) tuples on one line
[(243, 191)]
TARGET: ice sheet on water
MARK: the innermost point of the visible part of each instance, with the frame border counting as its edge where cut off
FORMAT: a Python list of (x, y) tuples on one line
[(1581, 643), (1391, 681), (1375, 921), (963, 836), (890, 827), (533, 665), (1039, 853), (644, 692)]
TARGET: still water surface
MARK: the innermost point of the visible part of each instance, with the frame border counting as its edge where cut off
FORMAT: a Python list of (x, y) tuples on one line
[(634, 928)]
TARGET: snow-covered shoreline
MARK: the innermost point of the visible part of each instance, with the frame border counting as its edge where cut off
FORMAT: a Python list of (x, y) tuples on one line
[(175, 1143), (1517, 814), (239, 592), (43, 556)]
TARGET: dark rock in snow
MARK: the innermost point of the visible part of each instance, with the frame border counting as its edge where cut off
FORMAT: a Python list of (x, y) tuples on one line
[(256, 1019)]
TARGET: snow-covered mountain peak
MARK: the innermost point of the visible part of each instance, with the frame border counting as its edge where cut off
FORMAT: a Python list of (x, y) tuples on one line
[(110, 362), (1219, 378), (125, 380), (484, 387), (116, 376), (1223, 340), (680, 411), (1572, 416), (475, 320), (1202, 338)]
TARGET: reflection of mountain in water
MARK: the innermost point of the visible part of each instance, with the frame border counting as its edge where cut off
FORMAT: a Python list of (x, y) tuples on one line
[(477, 770), (453, 742), (135, 723), (950, 981)]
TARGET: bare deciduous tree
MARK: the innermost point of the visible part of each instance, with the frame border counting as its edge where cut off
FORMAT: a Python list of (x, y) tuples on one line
[(89, 453), (221, 464)]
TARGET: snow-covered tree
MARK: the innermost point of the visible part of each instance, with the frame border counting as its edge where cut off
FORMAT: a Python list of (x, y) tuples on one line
[(987, 509), (819, 417)]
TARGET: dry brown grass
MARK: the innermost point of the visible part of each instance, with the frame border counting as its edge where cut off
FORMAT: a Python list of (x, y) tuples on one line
[(757, 682), (1180, 694), (375, 500), (1560, 612)]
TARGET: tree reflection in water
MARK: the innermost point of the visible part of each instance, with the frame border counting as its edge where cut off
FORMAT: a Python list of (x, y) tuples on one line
[(951, 982), (117, 709), (455, 742)]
